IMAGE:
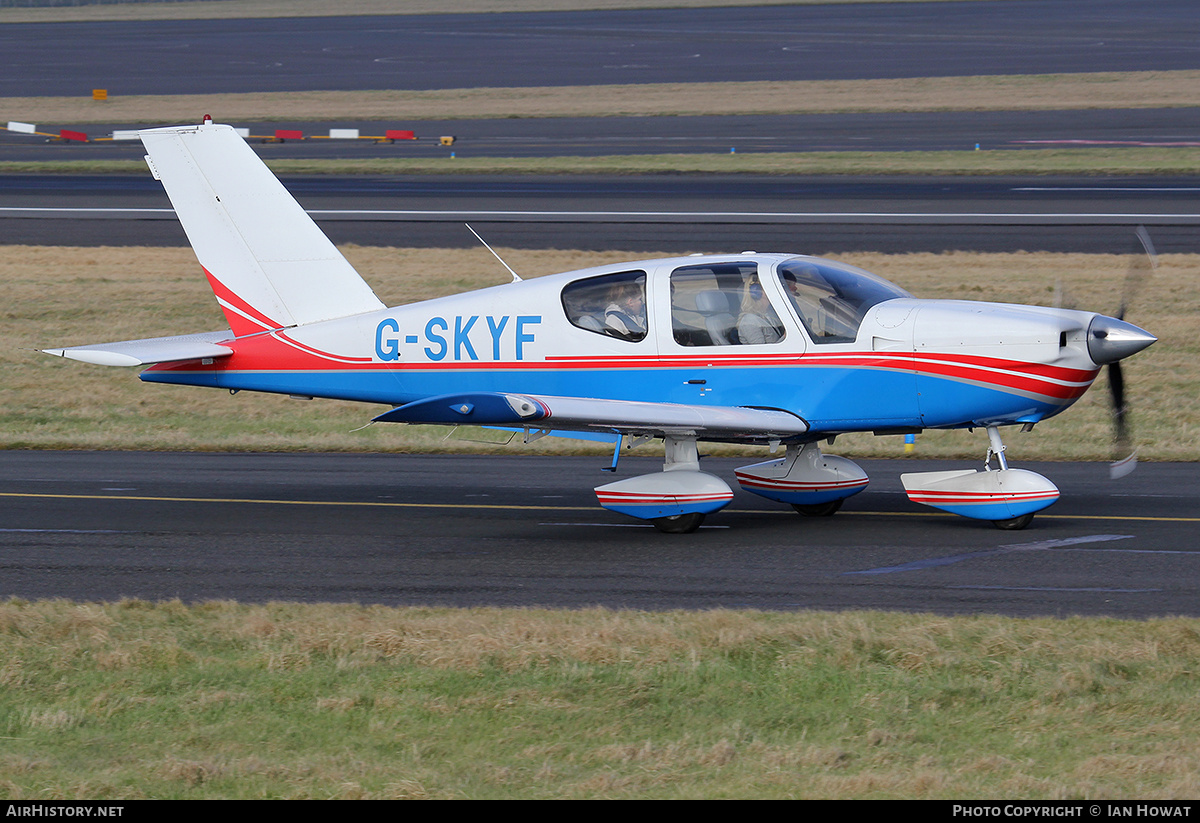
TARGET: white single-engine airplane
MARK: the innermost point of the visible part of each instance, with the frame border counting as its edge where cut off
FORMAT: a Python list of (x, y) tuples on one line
[(768, 349)]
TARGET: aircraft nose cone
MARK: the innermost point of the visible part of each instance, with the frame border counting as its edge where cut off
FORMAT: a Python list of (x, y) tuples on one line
[(1110, 339)]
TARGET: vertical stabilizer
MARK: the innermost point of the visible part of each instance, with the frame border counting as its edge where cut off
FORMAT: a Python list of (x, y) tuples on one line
[(268, 263)]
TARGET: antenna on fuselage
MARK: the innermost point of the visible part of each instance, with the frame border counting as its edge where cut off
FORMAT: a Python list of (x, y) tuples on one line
[(516, 277)]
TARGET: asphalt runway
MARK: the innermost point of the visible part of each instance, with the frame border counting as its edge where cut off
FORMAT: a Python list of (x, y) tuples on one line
[(526, 531), (656, 213), (599, 47)]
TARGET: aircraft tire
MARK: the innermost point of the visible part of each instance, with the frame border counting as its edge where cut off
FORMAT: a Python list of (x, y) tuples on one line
[(1014, 523), (819, 509), (679, 523)]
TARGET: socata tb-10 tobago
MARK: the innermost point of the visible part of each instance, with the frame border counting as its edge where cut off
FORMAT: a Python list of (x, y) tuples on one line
[(769, 349)]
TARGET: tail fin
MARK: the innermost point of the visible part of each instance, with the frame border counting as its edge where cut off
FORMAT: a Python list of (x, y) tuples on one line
[(268, 263)]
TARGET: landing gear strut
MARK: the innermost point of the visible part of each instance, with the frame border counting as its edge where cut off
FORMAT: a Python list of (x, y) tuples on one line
[(996, 449)]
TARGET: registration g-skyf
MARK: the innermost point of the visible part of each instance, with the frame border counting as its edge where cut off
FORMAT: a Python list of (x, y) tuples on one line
[(779, 350)]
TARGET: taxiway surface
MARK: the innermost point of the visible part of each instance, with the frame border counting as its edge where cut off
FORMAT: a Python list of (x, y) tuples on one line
[(802, 42), (526, 531), (657, 213)]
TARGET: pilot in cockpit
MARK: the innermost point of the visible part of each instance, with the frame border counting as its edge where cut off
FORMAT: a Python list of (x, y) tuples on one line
[(625, 315), (826, 315)]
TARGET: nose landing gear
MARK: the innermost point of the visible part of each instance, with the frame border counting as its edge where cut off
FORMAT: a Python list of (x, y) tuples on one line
[(1007, 497)]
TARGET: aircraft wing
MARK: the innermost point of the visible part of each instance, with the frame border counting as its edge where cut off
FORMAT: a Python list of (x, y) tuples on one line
[(151, 350), (595, 415)]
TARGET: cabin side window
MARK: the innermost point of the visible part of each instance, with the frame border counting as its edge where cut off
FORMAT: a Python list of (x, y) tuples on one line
[(722, 305), (612, 304)]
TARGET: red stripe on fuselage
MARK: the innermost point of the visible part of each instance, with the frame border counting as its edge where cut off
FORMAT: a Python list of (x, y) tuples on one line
[(280, 352)]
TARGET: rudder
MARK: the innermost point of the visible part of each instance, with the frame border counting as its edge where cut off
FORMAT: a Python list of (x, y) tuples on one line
[(269, 264)]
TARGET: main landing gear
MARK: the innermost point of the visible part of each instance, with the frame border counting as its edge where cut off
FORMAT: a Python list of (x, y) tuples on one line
[(814, 484), (676, 499), (1007, 497)]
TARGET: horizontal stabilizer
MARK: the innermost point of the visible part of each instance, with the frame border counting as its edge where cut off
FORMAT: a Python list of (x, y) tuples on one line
[(591, 414), (150, 351)]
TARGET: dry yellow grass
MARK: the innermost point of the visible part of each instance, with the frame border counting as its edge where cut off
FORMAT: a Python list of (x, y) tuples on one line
[(1101, 90), (253, 701), (65, 296), (1090, 161)]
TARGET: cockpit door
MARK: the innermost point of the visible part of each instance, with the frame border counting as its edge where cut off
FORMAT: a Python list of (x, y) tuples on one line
[(723, 323)]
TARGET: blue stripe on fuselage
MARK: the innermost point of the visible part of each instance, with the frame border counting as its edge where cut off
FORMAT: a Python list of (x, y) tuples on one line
[(830, 399)]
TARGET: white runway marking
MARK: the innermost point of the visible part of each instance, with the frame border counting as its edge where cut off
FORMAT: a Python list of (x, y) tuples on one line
[(501, 216), (1109, 188), (1056, 589), (62, 531)]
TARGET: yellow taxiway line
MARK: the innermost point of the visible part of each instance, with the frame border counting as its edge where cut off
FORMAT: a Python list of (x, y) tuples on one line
[(534, 507)]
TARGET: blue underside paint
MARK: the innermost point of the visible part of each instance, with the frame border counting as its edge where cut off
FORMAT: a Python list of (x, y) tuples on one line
[(665, 509), (943, 400), (830, 399), (996, 511)]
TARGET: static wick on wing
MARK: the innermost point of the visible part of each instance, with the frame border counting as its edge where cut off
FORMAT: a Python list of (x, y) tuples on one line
[(516, 278)]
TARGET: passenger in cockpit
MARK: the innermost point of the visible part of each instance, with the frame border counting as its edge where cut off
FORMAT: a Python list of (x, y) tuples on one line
[(757, 322)]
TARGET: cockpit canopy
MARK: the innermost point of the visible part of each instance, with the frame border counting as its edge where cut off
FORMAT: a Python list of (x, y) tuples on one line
[(725, 302), (830, 298)]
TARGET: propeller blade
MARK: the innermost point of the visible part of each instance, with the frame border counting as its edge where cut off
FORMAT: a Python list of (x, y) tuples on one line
[(1139, 271), (1120, 468), (1063, 299), (1124, 456)]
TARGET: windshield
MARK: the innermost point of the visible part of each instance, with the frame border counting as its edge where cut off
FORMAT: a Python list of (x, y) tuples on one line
[(832, 298)]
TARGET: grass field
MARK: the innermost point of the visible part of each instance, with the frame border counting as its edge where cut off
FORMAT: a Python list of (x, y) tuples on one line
[(1081, 161), (219, 700), (1100, 90), (73, 296)]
